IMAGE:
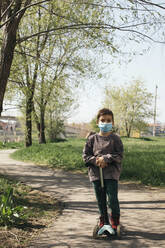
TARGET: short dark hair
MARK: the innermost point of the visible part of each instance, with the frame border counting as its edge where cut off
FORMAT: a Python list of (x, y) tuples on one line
[(105, 111)]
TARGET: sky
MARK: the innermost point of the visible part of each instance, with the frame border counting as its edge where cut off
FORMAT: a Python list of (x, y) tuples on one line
[(150, 68)]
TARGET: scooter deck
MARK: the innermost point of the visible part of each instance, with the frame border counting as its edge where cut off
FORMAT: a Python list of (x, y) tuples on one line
[(106, 229)]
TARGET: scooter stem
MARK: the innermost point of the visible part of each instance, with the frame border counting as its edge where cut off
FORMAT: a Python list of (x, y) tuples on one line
[(101, 178)]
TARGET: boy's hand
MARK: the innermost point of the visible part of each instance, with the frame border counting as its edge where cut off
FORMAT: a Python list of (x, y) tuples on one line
[(100, 162)]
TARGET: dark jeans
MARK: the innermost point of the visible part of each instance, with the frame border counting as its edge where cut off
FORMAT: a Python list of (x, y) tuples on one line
[(111, 189)]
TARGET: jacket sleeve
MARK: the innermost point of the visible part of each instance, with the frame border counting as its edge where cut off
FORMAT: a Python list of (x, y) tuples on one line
[(88, 155), (117, 156)]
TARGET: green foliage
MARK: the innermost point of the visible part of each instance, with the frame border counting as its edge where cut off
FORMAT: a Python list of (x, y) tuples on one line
[(60, 105), (94, 125), (10, 213), (131, 105), (143, 158), (56, 127), (46, 70)]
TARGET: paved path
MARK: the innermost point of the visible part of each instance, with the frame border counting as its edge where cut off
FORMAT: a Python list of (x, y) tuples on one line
[(142, 209)]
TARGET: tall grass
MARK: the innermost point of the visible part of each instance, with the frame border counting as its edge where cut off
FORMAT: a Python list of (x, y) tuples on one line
[(144, 159)]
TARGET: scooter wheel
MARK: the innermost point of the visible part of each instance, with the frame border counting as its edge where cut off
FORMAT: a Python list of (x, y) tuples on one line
[(95, 232)]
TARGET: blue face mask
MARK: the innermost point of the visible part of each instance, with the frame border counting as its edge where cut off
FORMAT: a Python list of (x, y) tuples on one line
[(105, 127)]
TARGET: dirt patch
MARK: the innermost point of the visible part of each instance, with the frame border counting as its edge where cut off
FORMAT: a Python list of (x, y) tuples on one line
[(42, 210)]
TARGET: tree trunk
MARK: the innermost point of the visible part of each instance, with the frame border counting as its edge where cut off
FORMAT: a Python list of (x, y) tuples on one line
[(51, 136), (36, 121), (28, 128), (127, 130), (7, 51), (42, 139), (9, 40)]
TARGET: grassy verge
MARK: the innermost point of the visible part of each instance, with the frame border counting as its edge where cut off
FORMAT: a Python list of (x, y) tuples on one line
[(66, 155), (11, 145), (38, 210), (143, 158)]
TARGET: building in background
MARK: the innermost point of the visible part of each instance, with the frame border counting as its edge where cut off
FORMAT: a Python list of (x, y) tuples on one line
[(159, 129), (10, 129), (74, 130)]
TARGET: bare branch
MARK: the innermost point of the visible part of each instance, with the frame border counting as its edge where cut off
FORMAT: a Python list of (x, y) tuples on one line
[(91, 26), (22, 11), (139, 24), (110, 6), (4, 13), (151, 4)]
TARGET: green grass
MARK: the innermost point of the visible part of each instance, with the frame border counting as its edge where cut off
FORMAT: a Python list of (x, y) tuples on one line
[(66, 155), (144, 159), (11, 145)]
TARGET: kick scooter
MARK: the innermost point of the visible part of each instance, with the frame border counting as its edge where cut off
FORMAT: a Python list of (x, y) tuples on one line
[(106, 229)]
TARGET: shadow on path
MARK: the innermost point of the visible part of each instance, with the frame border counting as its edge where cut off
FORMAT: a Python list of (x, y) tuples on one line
[(91, 205), (129, 235)]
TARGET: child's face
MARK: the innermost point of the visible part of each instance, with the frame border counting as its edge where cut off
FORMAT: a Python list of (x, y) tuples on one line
[(106, 119)]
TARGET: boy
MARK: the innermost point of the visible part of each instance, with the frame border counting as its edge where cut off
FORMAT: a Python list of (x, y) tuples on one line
[(105, 150)]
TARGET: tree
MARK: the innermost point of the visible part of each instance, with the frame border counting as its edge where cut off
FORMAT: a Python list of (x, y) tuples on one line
[(58, 110), (42, 66), (25, 74), (85, 17), (11, 16), (131, 105), (67, 62)]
